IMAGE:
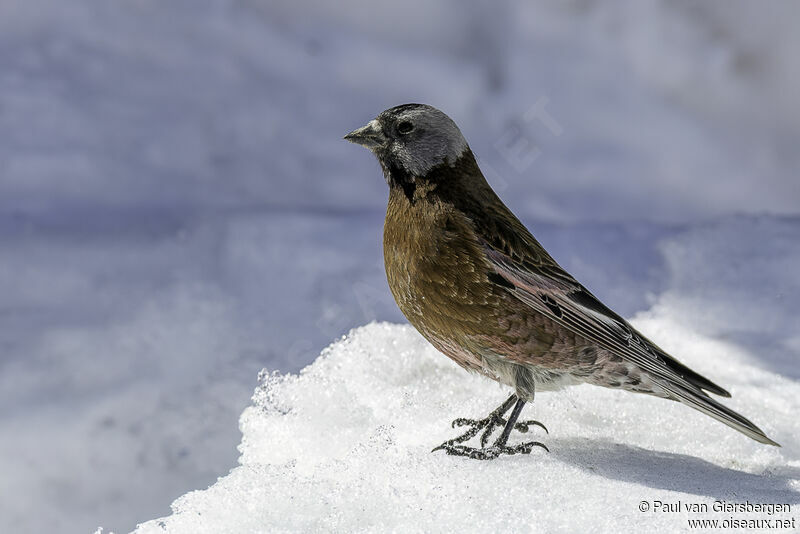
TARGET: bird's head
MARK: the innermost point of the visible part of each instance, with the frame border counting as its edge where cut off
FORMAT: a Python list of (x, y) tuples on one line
[(411, 139)]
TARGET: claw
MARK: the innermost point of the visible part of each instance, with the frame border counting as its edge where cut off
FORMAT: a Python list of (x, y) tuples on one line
[(524, 426), (525, 448)]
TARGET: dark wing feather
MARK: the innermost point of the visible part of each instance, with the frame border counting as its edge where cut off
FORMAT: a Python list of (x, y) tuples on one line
[(553, 292)]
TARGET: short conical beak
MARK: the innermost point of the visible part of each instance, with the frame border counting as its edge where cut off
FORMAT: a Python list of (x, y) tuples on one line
[(370, 136)]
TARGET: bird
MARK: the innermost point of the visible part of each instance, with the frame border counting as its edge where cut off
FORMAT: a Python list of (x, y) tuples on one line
[(471, 278)]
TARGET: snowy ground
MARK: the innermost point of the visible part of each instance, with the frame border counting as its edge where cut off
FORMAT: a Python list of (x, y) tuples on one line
[(178, 211)]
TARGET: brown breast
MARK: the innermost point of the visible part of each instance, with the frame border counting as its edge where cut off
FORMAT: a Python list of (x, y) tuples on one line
[(439, 279)]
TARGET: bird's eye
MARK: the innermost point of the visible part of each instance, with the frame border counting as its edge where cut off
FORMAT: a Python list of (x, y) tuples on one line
[(404, 127)]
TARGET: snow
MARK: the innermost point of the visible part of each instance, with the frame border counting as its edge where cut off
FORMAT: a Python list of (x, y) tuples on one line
[(178, 210), (345, 447)]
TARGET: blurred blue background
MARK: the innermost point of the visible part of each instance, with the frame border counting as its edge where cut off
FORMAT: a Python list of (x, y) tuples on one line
[(178, 210)]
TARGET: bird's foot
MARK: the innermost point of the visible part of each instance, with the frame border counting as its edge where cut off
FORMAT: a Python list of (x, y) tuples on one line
[(488, 453), (488, 425)]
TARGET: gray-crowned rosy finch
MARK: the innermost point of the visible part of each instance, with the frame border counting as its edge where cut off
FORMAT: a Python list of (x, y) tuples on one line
[(476, 284)]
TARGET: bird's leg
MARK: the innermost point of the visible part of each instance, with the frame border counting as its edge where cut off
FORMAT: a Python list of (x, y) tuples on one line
[(488, 425)]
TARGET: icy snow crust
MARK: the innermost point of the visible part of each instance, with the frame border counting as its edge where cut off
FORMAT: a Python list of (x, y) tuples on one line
[(345, 446)]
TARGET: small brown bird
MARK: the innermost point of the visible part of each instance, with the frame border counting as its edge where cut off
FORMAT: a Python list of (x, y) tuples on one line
[(476, 284)]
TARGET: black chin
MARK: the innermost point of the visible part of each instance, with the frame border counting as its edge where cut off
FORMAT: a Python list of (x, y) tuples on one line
[(398, 176)]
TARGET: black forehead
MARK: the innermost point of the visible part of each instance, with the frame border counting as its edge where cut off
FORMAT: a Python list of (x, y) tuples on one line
[(398, 110)]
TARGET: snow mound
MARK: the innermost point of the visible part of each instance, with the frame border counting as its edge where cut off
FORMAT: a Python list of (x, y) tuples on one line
[(345, 446)]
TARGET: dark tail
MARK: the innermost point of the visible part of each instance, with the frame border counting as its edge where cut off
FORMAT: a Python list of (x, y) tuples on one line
[(707, 405)]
